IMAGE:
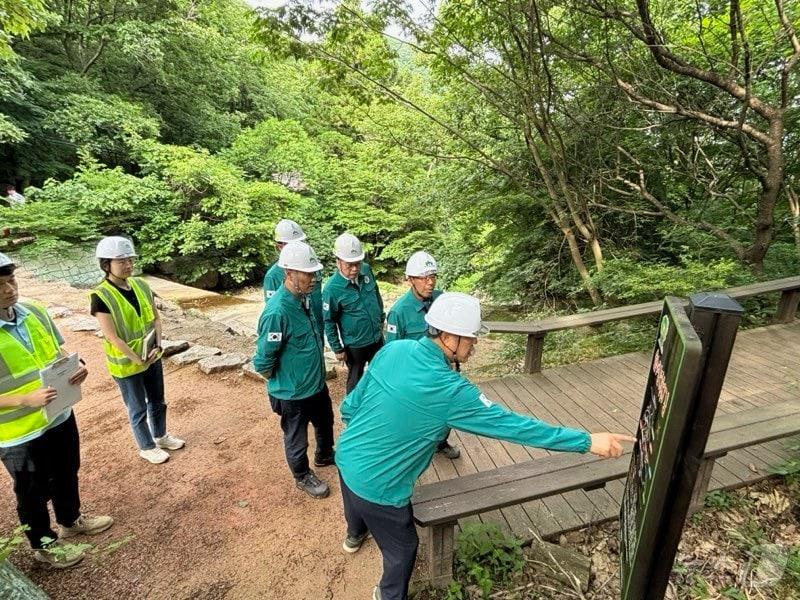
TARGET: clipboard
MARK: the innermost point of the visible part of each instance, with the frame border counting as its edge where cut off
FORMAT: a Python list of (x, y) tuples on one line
[(148, 344), (56, 376)]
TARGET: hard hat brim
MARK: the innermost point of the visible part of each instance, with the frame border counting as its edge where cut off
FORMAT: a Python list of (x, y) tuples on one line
[(302, 238), (423, 273), (134, 255), (358, 258), (313, 269)]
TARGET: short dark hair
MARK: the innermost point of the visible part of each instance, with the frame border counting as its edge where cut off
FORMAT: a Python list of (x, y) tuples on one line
[(7, 270), (105, 265)]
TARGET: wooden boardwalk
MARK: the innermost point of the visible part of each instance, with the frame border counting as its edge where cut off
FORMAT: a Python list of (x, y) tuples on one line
[(606, 394)]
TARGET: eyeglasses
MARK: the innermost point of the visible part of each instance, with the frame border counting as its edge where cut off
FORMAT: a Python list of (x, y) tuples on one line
[(125, 261), (431, 277)]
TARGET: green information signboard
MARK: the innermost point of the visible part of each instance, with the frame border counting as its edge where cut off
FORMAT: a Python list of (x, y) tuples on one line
[(690, 358), (670, 386)]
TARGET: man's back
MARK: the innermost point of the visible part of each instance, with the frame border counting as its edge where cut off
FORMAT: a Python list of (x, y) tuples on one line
[(395, 418)]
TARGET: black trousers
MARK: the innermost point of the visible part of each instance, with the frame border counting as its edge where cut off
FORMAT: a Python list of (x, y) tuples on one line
[(356, 359), (393, 530), (295, 417), (444, 443), (46, 469)]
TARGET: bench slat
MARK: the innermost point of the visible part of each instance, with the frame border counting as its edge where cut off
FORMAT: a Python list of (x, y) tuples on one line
[(452, 508), (522, 470), (741, 437), (450, 500)]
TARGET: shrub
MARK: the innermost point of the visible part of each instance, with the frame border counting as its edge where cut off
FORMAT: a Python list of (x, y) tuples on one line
[(485, 556), (626, 281)]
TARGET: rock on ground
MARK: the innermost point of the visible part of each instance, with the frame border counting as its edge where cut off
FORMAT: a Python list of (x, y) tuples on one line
[(225, 362), (250, 371), (83, 324), (194, 354), (59, 312), (171, 347)]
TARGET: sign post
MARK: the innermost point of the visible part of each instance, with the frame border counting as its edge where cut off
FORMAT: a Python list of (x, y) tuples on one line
[(690, 359)]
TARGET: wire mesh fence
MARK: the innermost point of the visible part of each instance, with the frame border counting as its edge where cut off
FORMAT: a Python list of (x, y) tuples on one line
[(75, 265)]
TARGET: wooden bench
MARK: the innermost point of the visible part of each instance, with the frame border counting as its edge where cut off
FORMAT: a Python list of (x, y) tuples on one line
[(439, 506), (537, 330)]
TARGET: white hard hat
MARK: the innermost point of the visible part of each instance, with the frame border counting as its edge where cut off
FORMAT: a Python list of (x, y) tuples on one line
[(420, 264), (348, 248), (5, 261), (456, 313), (115, 247), (288, 231), (299, 256)]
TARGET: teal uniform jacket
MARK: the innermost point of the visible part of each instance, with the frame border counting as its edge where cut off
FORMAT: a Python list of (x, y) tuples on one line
[(273, 279), (402, 408), (353, 312), (406, 319), (289, 347)]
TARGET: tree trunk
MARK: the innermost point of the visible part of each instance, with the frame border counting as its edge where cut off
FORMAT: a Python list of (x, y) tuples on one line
[(794, 207), (577, 258), (770, 190)]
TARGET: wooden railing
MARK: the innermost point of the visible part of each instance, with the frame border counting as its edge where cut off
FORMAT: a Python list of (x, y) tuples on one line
[(537, 330)]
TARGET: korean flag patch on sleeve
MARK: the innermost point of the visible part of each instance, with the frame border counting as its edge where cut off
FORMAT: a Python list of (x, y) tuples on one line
[(326, 306), (274, 336), (269, 293), (391, 328)]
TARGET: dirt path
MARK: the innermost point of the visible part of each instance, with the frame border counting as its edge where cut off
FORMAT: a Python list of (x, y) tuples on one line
[(220, 519)]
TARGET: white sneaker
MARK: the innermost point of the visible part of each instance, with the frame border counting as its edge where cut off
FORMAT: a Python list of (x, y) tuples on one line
[(154, 455), (59, 557), (169, 442)]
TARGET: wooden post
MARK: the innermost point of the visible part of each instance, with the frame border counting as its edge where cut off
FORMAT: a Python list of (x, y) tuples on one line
[(698, 500), (440, 554), (787, 307), (533, 353)]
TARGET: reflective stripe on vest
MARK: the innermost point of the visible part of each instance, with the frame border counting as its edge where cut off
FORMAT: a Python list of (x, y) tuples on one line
[(130, 327), (19, 372)]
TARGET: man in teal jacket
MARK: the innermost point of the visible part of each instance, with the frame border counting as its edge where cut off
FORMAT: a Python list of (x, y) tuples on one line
[(288, 231), (289, 355), (352, 308), (400, 410), (406, 319)]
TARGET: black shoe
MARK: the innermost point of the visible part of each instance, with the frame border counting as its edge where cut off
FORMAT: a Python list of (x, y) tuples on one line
[(353, 544), (325, 462), (313, 485), (449, 451)]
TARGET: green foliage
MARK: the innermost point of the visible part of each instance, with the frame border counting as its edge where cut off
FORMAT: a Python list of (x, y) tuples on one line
[(624, 281), (95, 121), (733, 593), (19, 18), (9, 132), (9, 543), (699, 589), (275, 147), (792, 574), (791, 466), (486, 557), (216, 221), (63, 550), (720, 500)]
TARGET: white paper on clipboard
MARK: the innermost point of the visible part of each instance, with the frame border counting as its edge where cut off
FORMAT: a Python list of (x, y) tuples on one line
[(57, 377), (148, 344)]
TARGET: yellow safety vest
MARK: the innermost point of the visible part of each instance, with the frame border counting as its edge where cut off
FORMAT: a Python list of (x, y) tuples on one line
[(131, 327), (19, 373)]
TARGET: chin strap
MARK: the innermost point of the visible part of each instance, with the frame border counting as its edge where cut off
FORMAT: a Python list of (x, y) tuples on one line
[(453, 352)]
